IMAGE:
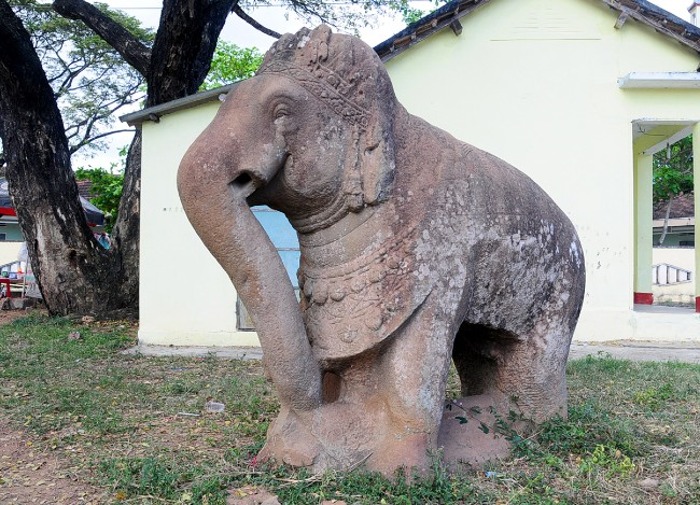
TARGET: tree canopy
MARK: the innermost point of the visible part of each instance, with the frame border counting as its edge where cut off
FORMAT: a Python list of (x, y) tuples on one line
[(231, 63), (672, 176), (673, 170), (75, 274), (90, 80)]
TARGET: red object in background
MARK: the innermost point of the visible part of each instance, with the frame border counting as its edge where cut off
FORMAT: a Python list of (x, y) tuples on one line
[(94, 215), (643, 299), (697, 304), (6, 282)]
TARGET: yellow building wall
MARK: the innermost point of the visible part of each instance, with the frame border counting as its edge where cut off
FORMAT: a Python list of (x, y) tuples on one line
[(532, 81), (186, 299), (9, 251), (696, 175), (535, 83), (643, 229)]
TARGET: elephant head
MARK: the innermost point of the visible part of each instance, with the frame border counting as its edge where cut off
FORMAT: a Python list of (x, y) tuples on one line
[(309, 135)]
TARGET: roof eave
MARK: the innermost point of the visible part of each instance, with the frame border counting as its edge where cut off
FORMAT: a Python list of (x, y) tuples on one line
[(660, 80), (639, 10), (154, 113), (660, 20), (446, 16), (437, 20)]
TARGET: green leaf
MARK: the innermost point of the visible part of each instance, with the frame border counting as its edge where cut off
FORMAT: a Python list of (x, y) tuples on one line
[(230, 64), (673, 175), (106, 190)]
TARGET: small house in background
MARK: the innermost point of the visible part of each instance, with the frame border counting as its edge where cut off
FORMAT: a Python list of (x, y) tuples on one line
[(679, 230), (578, 94), (11, 237), (673, 257)]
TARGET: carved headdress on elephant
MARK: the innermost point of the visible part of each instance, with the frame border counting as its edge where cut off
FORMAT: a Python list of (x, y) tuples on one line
[(348, 76)]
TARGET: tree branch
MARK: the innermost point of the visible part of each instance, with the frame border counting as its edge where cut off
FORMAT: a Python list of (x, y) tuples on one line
[(236, 9), (83, 143), (183, 47), (132, 50)]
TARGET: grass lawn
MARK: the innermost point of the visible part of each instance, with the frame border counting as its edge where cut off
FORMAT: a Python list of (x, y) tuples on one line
[(137, 427)]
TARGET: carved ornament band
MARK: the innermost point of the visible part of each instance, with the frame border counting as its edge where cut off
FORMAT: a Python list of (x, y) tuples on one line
[(325, 85)]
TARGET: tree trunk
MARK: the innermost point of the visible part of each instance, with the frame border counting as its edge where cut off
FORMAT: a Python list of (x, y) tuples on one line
[(184, 46), (75, 274), (125, 234), (664, 230)]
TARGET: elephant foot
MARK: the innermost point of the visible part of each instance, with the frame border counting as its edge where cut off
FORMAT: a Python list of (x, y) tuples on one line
[(335, 436), (408, 451), (289, 441), (473, 431), (343, 437)]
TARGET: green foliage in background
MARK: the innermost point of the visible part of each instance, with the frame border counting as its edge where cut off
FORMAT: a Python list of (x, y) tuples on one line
[(673, 170), (230, 64), (90, 79), (106, 190)]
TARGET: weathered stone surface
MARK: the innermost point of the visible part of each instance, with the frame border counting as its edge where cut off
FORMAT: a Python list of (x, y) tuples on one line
[(416, 249)]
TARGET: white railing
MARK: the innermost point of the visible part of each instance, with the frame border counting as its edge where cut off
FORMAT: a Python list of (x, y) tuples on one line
[(664, 274)]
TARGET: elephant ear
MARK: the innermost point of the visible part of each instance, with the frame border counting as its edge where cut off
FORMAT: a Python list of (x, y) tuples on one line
[(378, 158), (378, 161)]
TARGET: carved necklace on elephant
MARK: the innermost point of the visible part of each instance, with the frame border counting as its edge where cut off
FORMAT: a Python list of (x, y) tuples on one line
[(351, 308)]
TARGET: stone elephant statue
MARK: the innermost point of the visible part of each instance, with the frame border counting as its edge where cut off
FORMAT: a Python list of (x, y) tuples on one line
[(417, 250)]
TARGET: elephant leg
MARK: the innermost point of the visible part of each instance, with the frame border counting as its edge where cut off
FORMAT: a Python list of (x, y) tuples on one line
[(342, 432), (524, 373), (414, 372), (533, 373)]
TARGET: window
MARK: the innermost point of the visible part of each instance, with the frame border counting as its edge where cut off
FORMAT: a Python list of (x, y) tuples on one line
[(284, 238)]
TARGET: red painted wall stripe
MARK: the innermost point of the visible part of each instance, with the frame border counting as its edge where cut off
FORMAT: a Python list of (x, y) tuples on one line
[(643, 298)]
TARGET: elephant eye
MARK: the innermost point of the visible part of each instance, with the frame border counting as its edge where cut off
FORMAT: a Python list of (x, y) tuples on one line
[(281, 111)]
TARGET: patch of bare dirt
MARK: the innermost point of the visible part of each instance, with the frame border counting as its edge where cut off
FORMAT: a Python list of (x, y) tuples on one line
[(7, 316), (32, 475)]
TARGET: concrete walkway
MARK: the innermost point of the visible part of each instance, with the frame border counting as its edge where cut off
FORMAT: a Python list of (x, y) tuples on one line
[(687, 352), (244, 353)]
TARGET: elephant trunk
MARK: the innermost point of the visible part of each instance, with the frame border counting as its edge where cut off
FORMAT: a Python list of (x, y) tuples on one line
[(213, 193)]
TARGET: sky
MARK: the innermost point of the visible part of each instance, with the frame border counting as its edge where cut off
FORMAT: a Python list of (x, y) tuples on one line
[(273, 17), (240, 33), (243, 35)]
